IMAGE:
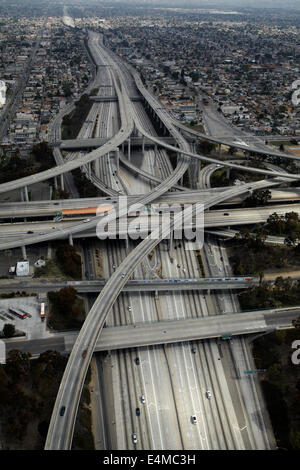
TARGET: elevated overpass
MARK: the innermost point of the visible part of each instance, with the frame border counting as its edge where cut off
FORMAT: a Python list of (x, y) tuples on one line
[(133, 285), (95, 142), (168, 332)]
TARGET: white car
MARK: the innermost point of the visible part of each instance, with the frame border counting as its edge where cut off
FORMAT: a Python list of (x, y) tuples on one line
[(208, 394), (143, 399), (134, 438), (194, 419), (129, 308), (86, 220)]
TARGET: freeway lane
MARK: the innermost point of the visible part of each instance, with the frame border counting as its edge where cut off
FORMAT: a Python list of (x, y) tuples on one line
[(137, 226), (61, 430)]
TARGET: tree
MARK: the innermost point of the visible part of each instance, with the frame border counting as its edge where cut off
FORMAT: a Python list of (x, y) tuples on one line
[(9, 330)]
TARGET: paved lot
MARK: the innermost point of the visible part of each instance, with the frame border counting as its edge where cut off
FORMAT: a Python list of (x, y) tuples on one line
[(33, 326)]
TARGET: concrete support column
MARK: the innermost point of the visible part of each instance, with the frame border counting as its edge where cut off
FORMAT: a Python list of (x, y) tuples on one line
[(171, 240), (24, 252), (220, 146), (70, 239), (50, 192), (55, 183), (143, 144), (155, 154), (117, 160), (127, 243), (129, 149), (62, 186), (22, 194), (89, 169), (26, 194), (228, 173)]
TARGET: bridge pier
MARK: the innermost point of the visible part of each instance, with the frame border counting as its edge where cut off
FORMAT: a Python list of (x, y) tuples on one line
[(24, 254), (117, 157), (26, 194), (62, 186), (228, 173), (129, 149), (143, 144), (155, 154), (70, 239)]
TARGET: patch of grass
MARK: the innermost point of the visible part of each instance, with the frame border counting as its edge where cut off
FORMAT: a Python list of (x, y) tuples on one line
[(199, 258), (51, 269)]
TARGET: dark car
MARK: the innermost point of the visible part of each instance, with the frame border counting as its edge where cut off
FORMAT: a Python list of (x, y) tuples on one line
[(226, 213), (137, 361), (137, 411), (62, 410), (29, 231), (84, 353)]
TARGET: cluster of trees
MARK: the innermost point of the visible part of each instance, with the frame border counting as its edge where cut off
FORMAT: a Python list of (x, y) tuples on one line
[(14, 167), (72, 123), (43, 154), (287, 225), (69, 260), (67, 310), (251, 255), (283, 292), (84, 186), (259, 197), (8, 330), (282, 385), (28, 390), (205, 147)]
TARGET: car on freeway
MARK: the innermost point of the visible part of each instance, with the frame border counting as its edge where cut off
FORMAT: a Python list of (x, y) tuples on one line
[(178, 265), (129, 308), (208, 394), (42, 233), (30, 231), (137, 361), (114, 266), (194, 419), (134, 438), (143, 399), (86, 220), (226, 213), (193, 350), (62, 410), (84, 353), (137, 411)]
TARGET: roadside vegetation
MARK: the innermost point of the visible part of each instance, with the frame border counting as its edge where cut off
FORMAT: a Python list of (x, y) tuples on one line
[(281, 384), (72, 123), (250, 254), (28, 388), (66, 309), (13, 166), (83, 185), (66, 265)]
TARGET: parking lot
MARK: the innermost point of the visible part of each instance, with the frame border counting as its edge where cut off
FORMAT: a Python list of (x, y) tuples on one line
[(32, 325)]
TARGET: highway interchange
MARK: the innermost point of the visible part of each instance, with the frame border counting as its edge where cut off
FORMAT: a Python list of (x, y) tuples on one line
[(174, 380)]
